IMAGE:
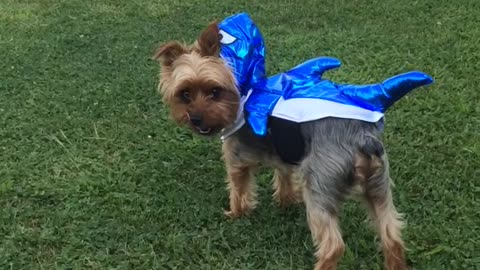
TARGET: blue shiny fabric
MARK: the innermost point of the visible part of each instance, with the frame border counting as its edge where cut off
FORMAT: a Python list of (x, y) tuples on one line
[(379, 97), (246, 56)]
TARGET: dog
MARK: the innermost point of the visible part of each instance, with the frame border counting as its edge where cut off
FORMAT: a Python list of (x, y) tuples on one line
[(341, 156)]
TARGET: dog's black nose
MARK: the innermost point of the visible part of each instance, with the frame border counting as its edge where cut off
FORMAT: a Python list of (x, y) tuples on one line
[(196, 119)]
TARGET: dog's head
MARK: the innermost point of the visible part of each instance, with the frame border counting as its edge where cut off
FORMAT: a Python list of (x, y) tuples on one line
[(198, 86)]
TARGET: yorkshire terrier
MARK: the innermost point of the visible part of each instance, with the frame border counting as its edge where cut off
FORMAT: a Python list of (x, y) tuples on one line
[(342, 156)]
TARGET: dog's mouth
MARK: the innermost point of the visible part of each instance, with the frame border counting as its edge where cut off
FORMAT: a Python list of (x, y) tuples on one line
[(204, 131)]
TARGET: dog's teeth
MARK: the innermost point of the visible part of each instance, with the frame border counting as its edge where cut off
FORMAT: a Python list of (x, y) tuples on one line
[(205, 131)]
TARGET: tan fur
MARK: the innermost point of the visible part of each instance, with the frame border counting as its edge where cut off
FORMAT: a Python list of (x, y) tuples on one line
[(389, 224), (365, 167), (241, 183), (207, 43), (388, 221), (242, 191), (198, 70), (192, 68), (286, 189), (327, 238)]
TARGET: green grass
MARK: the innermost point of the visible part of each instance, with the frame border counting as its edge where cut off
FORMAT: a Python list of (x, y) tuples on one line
[(93, 175)]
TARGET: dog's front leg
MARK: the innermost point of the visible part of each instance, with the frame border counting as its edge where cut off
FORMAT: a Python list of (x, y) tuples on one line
[(242, 187)]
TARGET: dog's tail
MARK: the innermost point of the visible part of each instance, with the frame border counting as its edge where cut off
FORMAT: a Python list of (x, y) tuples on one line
[(371, 146)]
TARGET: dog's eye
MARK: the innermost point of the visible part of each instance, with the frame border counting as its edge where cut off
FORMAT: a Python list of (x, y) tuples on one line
[(215, 93), (185, 95)]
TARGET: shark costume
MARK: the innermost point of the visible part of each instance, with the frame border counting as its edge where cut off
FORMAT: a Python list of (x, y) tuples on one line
[(275, 106)]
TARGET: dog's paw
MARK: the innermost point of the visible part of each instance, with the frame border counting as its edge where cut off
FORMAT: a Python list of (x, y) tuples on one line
[(235, 214), (231, 214), (287, 199), (287, 202)]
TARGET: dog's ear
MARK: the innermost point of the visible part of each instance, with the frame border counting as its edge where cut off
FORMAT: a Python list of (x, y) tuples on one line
[(166, 54), (209, 40)]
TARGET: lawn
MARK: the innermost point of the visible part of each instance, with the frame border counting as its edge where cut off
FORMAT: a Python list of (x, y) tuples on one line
[(94, 175)]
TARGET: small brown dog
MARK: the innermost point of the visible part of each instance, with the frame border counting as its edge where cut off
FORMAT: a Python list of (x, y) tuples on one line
[(341, 155)]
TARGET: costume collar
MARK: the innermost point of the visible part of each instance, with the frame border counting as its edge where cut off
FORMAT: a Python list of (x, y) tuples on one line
[(239, 122)]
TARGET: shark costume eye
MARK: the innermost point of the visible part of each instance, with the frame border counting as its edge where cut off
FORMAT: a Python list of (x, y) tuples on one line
[(226, 38)]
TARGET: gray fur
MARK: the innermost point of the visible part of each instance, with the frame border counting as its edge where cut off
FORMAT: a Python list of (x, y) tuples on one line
[(331, 147), (327, 168)]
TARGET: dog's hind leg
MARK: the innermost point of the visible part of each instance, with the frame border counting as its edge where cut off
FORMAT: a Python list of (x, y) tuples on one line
[(285, 186), (325, 187), (387, 220), (324, 227)]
